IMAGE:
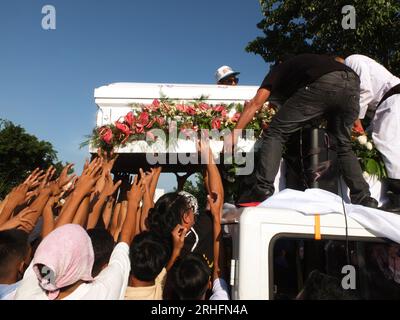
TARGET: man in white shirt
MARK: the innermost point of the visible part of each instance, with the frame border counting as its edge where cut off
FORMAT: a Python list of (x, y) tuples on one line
[(380, 97)]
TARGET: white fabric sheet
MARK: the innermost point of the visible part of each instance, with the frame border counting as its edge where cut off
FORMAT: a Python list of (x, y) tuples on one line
[(313, 201)]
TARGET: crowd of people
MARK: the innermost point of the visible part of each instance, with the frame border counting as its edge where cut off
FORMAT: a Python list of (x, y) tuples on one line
[(97, 237)]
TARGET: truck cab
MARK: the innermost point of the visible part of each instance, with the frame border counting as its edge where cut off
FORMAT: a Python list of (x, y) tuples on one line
[(275, 250)]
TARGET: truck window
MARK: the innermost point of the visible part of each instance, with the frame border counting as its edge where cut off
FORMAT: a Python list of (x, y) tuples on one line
[(376, 264)]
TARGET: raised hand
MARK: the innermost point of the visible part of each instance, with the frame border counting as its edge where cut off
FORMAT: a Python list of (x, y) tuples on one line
[(146, 177), (47, 177), (108, 159), (33, 180), (88, 179), (178, 238), (18, 195), (64, 178), (136, 193), (21, 221), (109, 186)]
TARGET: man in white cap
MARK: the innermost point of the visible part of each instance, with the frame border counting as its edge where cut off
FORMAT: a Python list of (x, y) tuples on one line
[(380, 102), (227, 76)]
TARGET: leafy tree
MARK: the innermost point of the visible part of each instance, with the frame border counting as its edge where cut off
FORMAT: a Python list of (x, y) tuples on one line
[(299, 26), (21, 153)]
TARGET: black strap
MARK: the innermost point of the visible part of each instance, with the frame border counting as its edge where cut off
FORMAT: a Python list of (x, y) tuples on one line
[(371, 111)]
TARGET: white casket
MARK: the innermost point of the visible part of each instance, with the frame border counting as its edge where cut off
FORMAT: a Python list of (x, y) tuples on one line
[(116, 100)]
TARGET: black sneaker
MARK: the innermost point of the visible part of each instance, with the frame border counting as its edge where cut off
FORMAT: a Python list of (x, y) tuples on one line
[(369, 202), (393, 205), (252, 198)]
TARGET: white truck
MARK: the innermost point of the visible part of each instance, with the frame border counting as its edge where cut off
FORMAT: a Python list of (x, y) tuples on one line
[(273, 250)]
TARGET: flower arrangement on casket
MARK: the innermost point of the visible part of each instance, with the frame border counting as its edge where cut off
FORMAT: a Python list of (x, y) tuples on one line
[(186, 116)]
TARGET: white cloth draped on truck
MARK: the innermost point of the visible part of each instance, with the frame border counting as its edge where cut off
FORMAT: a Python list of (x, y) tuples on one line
[(318, 201)]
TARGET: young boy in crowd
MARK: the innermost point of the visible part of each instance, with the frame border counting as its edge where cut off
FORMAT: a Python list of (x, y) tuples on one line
[(14, 258), (148, 260)]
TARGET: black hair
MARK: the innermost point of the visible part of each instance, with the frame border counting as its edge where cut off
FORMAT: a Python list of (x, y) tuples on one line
[(148, 256), (166, 214), (14, 246), (320, 286), (190, 277), (103, 245)]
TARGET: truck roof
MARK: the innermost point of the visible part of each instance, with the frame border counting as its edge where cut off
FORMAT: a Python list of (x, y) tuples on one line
[(330, 224)]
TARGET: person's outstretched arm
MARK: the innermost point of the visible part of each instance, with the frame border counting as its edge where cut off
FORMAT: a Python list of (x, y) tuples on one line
[(220, 288), (109, 189), (134, 197), (250, 109), (83, 187)]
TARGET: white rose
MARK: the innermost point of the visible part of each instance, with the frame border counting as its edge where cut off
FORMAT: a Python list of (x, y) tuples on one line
[(369, 146), (362, 140), (366, 175)]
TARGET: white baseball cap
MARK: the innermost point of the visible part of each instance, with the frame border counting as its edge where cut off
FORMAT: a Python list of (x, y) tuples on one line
[(223, 72)]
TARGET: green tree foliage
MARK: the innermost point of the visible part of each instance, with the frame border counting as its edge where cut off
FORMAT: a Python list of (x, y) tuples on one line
[(21, 153), (299, 26)]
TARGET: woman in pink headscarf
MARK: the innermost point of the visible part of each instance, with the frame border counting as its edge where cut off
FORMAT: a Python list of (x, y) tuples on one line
[(64, 260), (62, 266)]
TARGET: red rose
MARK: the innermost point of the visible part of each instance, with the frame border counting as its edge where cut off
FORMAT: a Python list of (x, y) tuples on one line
[(181, 107), (144, 118), (150, 124), (219, 108), (216, 123), (139, 128), (190, 110), (156, 103), (236, 117), (105, 134), (130, 119), (160, 121), (123, 128), (204, 106)]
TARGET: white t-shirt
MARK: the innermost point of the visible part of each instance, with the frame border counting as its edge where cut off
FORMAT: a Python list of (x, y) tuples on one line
[(375, 80), (220, 290), (110, 284)]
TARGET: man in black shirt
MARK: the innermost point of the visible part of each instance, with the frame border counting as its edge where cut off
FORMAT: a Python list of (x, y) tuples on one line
[(313, 86)]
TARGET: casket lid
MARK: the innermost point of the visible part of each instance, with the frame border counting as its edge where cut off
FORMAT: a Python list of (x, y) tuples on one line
[(128, 90)]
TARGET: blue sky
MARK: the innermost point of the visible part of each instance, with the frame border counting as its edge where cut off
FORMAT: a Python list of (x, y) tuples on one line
[(47, 78)]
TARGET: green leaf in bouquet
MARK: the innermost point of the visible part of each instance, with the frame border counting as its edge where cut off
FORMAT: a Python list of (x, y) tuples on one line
[(372, 167)]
